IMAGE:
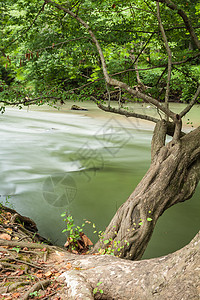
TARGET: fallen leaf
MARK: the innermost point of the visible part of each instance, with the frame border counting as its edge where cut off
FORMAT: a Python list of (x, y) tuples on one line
[(25, 249), (9, 230), (20, 272), (86, 240), (16, 295), (68, 266), (39, 274), (44, 249), (8, 273), (48, 274), (5, 236)]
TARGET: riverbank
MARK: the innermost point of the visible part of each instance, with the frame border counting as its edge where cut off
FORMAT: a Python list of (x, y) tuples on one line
[(31, 270), (29, 265), (191, 120)]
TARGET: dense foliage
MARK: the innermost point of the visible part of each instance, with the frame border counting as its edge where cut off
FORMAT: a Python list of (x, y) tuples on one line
[(46, 55)]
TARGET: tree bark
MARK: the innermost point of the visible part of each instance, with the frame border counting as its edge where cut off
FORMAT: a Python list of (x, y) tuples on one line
[(172, 178), (175, 276), (185, 18)]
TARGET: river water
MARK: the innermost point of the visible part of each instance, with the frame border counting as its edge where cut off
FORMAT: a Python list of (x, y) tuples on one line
[(85, 163)]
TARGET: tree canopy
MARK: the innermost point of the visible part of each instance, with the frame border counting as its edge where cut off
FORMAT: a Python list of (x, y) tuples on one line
[(49, 55)]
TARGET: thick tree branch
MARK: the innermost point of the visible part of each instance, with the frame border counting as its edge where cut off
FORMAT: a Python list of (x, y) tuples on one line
[(140, 83), (177, 131), (185, 18), (190, 105), (108, 79), (139, 69), (159, 136), (170, 125), (169, 53), (165, 184), (174, 276), (89, 31), (123, 112)]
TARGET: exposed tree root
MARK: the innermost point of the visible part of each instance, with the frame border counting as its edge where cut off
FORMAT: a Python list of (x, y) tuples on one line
[(21, 267), (68, 276), (174, 276), (36, 287)]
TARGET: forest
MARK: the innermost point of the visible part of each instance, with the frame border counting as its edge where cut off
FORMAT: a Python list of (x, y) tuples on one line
[(114, 53), (47, 56)]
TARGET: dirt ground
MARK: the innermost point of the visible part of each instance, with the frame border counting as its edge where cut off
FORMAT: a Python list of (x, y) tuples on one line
[(29, 266)]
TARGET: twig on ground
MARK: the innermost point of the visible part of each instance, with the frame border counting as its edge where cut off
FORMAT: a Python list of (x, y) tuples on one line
[(37, 286)]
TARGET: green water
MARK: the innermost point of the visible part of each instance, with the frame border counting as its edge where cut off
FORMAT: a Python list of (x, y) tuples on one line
[(85, 163)]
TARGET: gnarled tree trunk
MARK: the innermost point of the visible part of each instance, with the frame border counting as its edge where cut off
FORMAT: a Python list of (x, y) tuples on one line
[(175, 169), (174, 276), (172, 177)]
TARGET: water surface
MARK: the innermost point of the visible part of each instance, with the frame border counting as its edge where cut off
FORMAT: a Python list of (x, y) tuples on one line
[(85, 163)]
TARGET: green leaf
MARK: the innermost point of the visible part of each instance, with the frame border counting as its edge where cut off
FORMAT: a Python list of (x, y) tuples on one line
[(106, 242), (149, 219)]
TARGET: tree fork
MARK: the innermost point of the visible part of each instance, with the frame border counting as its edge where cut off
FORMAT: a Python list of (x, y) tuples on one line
[(172, 178)]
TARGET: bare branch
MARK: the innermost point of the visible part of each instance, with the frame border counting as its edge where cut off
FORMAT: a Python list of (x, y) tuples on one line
[(169, 53), (29, 101), (61, 43), (185, 18), (159, 137), (142, 96), (107, 88), (190, 105), (123, 112), (153, 32), (89, 31), (139, 69), (108, 79), (141, 51), (137, 72), (177, 131)]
